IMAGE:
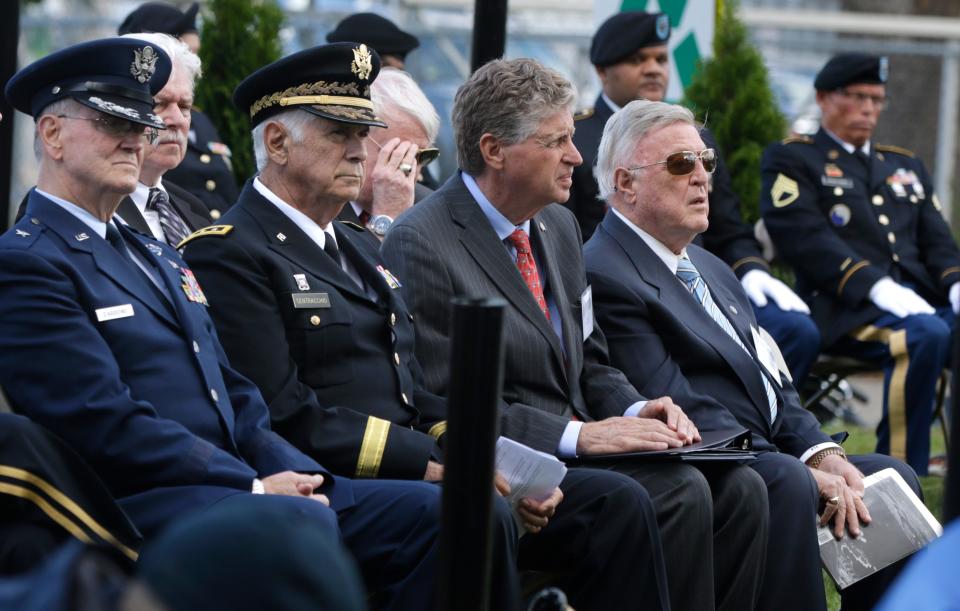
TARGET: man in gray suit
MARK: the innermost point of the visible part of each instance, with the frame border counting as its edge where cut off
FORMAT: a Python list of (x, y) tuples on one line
[(491, 230)]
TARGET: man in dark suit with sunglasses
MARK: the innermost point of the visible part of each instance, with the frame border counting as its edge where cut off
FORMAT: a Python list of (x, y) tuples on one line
[(630, 54), (678, 322), (396, 154)]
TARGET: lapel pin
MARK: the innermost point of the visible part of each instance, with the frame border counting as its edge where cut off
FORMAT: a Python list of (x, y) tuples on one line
[(302, 283), (733, 309), (281, 237), (22, 233), (81, 237), (155, 249), (543, 227)]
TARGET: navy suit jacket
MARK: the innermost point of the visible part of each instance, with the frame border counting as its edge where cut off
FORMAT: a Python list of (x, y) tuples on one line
[(149, 400), (667, 344)]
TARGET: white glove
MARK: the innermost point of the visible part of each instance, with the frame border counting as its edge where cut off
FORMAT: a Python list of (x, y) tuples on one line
[(955, 297), (759, 285), (897, 299)]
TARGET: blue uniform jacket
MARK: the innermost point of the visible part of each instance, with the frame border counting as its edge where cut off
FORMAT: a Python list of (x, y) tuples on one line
[(148, 399)]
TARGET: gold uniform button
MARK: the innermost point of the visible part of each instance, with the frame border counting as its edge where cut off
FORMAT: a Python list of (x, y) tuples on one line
[(403, 397), (891, 238), (838, 191), (314, 320), (393, 319), (215, 214), (884, 219), (196, 347), (396, 358), (913, 199), (214, 395), (204, 158), (877, 200), (896, 258), (211, 185)]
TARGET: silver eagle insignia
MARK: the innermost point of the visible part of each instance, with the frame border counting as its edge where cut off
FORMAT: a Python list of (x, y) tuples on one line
[(144, 64)]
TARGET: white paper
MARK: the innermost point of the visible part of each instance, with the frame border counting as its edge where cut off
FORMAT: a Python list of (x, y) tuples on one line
[(530, 473), (586, 309), (767, 359)]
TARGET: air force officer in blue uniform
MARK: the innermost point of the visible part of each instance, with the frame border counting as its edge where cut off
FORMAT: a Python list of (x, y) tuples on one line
[(106, 341)]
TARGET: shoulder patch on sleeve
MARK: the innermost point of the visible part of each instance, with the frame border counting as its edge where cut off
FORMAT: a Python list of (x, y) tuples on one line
[(217, 230), (889, 148), (583, 113), (353, 226), (797, 139)]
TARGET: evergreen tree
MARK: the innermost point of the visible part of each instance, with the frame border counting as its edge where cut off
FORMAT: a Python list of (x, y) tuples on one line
[(239, 36), (731, 94)]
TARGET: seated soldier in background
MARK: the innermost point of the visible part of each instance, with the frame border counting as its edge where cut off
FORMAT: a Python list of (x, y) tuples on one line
[(678, 322), (105, 340), (864, 231)]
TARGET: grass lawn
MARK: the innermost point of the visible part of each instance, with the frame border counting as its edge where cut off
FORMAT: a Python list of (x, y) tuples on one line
[(862, 441)]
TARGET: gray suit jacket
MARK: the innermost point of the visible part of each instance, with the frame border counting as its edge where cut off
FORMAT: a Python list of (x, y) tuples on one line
[(445, 247), (191, 210)]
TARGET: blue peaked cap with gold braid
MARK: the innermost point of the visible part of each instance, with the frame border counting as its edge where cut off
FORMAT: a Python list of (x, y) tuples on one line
[(115, 76)]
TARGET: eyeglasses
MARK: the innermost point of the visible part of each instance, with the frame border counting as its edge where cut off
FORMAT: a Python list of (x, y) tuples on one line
[(120, 128), (684, 162), (423, 156), (879, 101)]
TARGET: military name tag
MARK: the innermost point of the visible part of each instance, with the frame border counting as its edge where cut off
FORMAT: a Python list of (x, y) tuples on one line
[(836, 181), (114, 312), (311, 300)]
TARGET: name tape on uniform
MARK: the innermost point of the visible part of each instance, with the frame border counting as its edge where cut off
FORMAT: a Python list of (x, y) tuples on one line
[(311, 300), (114, 312)]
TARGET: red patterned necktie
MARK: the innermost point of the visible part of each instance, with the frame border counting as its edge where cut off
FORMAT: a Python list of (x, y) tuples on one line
[(528, 268)]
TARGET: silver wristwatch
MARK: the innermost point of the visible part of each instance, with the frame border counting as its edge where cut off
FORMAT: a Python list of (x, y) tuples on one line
[(380, 224)]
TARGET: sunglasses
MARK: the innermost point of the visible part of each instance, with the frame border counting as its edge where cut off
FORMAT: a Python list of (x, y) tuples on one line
[(423, 156), (120, 128), (684, 162)]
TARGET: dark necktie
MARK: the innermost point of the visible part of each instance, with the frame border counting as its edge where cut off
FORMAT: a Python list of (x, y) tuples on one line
[(691, 278), (528, 268), (330, 247), (364, 218), (174, 229), (116, 240)]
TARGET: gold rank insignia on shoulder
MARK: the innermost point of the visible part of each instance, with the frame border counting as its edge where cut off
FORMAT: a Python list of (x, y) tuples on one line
[(583, 113), (797, 139), (784, 191), (352, 225), (362, 64), (217, 230), (889, 148)]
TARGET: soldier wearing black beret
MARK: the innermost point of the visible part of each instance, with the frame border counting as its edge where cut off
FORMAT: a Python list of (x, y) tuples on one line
[(380, 34), (630, 54), (206, 171), (864, 230)]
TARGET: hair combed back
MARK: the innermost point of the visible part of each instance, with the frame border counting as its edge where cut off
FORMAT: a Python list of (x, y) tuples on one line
[(627, 127), (293, 120), (507, 99), (395, 91)]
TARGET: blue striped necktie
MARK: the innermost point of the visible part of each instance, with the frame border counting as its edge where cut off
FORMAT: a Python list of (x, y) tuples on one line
[(691, 278)]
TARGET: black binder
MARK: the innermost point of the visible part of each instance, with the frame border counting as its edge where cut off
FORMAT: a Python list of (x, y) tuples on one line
[(727, 445)]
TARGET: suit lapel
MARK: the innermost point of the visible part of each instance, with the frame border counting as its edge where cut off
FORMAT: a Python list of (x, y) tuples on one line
[(482, 243), (685, 307), (543, 242), (111, 263), (132, 216), (290, 242), (365, 266)]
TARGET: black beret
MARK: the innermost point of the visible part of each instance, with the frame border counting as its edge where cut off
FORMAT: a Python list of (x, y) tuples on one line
[(622, 34), (116, 76), (851, 68), (377, 32), (160, 17), (330, 81)]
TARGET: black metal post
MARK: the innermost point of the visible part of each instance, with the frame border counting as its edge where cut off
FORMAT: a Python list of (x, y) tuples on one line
[(9, 37), (489, 31), (476, 382), (951, 492)]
